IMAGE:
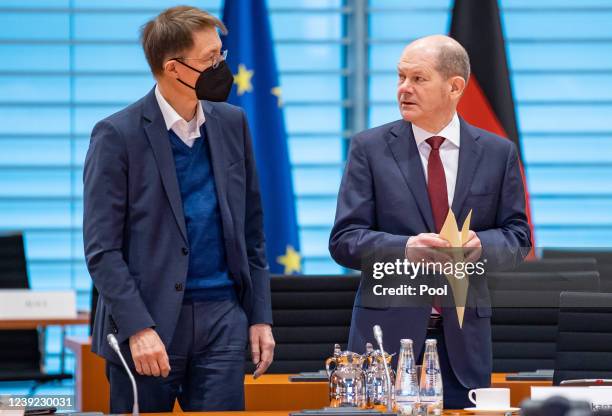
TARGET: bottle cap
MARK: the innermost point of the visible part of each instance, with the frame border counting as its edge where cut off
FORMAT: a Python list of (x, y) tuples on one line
[(405, 342)]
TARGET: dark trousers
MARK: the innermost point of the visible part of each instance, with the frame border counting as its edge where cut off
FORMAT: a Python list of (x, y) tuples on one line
[(455, 394), (206, 355)]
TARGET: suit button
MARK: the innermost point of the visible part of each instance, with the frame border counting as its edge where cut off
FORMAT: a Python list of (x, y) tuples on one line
[(185, 251), (178, 287)]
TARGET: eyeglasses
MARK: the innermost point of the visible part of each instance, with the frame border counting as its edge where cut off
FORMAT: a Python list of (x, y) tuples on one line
[(216, 60)]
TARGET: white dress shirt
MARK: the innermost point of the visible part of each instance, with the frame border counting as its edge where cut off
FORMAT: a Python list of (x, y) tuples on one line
[(449, 152), (187, 131)]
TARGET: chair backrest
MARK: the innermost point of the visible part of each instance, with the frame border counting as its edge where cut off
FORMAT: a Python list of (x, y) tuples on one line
[(13, 269), (602, 256), (19, 349), (311, 314), (566, 264), (525, 316), (585, 336)]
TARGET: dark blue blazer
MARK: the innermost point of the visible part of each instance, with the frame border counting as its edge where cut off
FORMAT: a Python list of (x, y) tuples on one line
[(134, 230), (383, 200)]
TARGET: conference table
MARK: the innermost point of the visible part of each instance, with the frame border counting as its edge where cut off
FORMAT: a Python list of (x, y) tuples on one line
[(82, 318), (271, 394)]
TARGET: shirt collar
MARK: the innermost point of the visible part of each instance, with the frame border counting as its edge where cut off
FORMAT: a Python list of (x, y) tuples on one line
[(451, 132), (177, 123)]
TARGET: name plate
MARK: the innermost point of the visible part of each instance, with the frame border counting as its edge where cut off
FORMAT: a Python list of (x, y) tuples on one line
[(600, 397), (31, 304)]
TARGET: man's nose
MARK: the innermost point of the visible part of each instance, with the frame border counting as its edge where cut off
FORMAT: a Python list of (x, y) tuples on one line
[(405, 87)]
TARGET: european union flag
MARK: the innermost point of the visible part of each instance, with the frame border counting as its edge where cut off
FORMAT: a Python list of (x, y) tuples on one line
[(257, 91)]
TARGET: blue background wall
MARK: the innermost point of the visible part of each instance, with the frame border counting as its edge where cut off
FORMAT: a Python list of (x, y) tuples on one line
[(68, 63)]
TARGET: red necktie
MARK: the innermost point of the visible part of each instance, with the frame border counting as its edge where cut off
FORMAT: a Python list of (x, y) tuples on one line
[(438, 195), (436, 183)]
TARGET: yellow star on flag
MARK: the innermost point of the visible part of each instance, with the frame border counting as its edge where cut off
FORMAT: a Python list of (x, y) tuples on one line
[(291, 260), (243, 79), (277, 91)]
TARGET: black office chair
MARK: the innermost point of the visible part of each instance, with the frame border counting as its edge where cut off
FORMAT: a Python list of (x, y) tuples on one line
[(525, 316), (585, 336), (20, 355), (13, 269), (311, 314), (602, 256)]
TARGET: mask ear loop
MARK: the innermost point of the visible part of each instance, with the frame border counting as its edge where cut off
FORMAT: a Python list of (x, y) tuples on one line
[(185, 84), (188, 66)]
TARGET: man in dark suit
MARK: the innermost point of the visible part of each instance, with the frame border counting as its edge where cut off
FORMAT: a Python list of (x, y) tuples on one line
[(399, 182), (173, 230)]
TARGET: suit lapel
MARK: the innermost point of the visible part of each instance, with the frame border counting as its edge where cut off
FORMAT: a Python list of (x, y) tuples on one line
[(157, 135), (215, 138), (470, 152), (406, 154)]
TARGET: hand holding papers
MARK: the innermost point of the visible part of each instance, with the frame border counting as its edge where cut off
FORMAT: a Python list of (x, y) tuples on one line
[(457, 238), (427, 269)]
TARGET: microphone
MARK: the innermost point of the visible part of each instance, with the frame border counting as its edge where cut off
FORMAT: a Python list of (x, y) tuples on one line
[(378, 336), (114, 344)]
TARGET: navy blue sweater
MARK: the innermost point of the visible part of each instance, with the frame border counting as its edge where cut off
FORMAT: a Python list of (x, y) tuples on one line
[(207, 277)]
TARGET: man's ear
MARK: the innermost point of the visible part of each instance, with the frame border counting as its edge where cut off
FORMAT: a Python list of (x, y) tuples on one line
[(170, 69), (457, 85)]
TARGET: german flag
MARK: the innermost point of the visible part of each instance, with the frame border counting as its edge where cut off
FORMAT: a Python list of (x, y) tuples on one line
[(487, 101)]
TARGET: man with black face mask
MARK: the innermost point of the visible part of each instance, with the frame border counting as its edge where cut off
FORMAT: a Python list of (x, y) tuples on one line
[(173, 230)]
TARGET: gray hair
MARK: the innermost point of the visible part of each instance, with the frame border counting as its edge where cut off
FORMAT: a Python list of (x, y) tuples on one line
[(453, 60)]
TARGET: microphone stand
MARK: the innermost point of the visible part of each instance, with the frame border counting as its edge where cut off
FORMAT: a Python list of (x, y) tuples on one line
[(112, 341)]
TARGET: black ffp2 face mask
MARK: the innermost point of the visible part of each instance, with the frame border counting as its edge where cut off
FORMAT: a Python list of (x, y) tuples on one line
[(213, 84)]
